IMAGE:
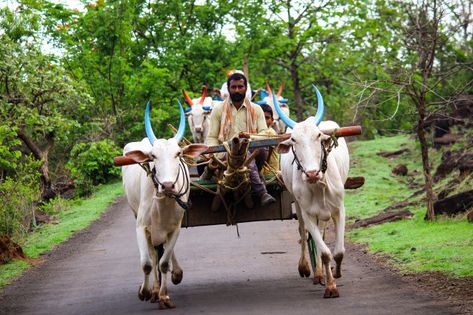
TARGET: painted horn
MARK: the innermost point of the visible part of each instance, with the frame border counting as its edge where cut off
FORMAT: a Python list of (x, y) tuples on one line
[(149, 130), (288, 121), (320, 106), (281, 87), (188, 99), (182, 124), (204, 95)]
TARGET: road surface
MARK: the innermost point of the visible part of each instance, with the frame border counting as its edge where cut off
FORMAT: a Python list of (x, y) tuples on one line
[(97, 272)]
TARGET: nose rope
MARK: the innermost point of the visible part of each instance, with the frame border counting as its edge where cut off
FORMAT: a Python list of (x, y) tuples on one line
[(175, 195), (323, 159)]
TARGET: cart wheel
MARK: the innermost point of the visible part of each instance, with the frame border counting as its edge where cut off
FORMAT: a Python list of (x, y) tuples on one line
[(312, 252)]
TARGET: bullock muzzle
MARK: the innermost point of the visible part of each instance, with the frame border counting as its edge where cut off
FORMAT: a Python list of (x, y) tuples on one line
[(168, 187), (313, 176)]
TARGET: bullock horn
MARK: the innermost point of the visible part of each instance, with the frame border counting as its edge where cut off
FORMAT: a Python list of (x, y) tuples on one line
[(288, 121), (204, 95), (182, 124), (320, 106), (188, 99), (281, 87), (149, 130)]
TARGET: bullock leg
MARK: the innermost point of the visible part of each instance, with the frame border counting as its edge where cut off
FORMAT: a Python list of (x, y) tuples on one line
[(176, 274), (156, 274), (304, 269), (143, 237), (164, 299), (331, 290), (339, 251), (318, 272)]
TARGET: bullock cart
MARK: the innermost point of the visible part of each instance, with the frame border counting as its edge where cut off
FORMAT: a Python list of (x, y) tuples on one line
[(232, 186)]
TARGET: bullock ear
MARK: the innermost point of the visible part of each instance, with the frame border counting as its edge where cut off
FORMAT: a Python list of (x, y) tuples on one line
[(284, 146), (138, 156), (194, 150)]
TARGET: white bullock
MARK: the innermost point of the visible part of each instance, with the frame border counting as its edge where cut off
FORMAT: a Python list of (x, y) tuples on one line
[(198, 115), (278, 124), (158, 198), (315, 176)]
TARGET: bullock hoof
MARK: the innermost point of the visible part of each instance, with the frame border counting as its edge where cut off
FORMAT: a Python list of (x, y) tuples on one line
[(331, 293), (176, 277), (154, 296), (318, 280), (144, 294), (165, 303), (304, 269)]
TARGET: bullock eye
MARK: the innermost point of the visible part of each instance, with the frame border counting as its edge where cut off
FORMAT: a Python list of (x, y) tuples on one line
[(318, 136), (178, 154), (293, 140)]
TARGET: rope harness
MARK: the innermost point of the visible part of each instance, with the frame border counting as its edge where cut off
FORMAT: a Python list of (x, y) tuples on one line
[(174, 195), (323, 159)]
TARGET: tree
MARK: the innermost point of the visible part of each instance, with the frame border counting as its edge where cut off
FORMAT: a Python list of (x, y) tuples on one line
[(38, 100)]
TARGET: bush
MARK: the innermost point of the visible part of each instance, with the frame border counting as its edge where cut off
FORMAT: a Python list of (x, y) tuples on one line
[(92, 164), (18, 196)]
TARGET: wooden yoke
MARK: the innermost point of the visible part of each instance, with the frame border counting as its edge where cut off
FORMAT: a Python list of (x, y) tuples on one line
[(339, 132)]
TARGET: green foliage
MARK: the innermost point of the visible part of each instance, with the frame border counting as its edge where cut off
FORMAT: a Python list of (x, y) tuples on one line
[(55, 206), (9, 153), (18, 194), (92, 164)]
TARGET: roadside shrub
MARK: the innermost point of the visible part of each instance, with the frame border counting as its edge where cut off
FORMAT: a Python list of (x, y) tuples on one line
[(54, 206), (91, 164), (18, 196)]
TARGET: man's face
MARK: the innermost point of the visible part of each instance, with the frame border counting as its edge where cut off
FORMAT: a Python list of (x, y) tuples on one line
[(269, 119), (237, 90)]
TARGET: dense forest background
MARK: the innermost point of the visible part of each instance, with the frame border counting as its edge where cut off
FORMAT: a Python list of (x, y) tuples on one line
[(74, 81)]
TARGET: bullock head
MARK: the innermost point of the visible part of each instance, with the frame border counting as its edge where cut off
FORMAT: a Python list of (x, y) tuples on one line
[(166, 155), (267, 98), (307, 142), (198, 115)]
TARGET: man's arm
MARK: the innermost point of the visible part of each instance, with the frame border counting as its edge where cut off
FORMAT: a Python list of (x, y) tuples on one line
[(260, 121), (215, 117)]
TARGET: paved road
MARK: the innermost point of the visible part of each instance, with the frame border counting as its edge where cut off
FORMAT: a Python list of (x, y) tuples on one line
[(97, 272)]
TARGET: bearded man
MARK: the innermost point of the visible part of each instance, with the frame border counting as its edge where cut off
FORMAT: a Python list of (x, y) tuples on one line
[(238, 114)]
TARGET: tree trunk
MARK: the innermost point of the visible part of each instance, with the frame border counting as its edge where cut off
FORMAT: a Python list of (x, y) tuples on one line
[(297, 91), (430, 215), (245, 66), (46, 185)]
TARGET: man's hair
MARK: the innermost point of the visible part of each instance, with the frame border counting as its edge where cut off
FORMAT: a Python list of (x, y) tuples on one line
[(267, 109), (236, 77)]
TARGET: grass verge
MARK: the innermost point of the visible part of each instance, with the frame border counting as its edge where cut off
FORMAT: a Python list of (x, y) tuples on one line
[(445, 245), (78, 215)]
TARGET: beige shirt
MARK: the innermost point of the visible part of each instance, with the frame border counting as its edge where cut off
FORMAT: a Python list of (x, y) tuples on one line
[(273, 160), (238, 123)]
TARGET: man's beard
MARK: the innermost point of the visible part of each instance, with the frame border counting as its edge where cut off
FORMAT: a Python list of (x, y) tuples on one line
[(237, 97)]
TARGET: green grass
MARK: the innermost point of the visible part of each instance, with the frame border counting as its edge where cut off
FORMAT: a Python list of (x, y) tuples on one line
[(78, 215), (445, 245), (381, 189)]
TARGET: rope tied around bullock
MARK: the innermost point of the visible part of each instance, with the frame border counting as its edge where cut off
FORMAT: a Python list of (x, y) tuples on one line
[(175, 195), (326, 147)]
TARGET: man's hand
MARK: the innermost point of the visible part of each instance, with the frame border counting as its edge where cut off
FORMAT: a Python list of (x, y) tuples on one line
[(243, 135)]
